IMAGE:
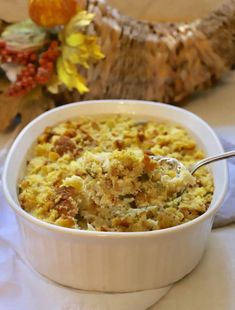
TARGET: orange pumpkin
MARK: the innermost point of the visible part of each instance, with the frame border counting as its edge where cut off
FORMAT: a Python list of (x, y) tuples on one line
[(50, 13)]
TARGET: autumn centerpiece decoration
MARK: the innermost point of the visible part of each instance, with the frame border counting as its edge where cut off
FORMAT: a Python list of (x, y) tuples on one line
[(61, 49), (50, 49)]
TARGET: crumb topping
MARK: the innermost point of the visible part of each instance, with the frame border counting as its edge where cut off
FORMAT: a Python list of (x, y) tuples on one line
[(96, 174)]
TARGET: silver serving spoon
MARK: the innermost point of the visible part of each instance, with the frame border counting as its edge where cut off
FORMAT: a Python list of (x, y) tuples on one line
[(210, 160), (173, 163)]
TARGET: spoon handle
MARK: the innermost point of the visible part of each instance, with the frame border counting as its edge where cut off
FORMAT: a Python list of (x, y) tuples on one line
[(209, 160)]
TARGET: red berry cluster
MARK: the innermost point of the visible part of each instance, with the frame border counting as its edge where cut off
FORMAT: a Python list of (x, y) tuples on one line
[(38, 69), (17, 57), (46, 63), (25, 81)]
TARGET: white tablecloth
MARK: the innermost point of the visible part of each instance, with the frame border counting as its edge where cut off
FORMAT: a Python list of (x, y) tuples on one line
[(210, 286)]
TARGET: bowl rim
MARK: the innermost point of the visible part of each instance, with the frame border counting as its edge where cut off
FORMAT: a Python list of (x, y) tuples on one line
[(86, 233)]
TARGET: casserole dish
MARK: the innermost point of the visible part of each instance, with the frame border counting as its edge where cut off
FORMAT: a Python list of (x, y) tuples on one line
[(114, 261)]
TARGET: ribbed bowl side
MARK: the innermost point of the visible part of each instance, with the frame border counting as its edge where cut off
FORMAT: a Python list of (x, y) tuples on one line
[(117, 264)]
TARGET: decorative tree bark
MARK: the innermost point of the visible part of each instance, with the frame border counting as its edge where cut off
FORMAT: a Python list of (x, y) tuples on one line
[(151, 61), (157, 61), (219, 28)]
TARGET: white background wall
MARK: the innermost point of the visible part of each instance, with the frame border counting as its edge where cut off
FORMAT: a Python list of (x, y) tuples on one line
[(165, 10), (162, 10)]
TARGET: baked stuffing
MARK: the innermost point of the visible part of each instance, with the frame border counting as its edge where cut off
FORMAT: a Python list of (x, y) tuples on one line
[(98, 174)]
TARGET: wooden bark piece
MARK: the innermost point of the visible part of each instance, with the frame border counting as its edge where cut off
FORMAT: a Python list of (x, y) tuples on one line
[(27, 107), (163, 62), (219, 28), (8, 106)]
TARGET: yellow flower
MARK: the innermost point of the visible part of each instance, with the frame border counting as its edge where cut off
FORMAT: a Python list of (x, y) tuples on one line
[(78, 49), (80, 20), (68, 75)]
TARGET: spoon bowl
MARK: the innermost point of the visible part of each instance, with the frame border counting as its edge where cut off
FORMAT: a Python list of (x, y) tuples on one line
[(174, 164)]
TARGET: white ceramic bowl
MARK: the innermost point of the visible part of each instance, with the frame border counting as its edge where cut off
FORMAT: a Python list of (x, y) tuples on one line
[(105, 261)]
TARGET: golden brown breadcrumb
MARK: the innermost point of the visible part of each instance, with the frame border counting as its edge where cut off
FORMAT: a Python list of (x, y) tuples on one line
[(96, 174)]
